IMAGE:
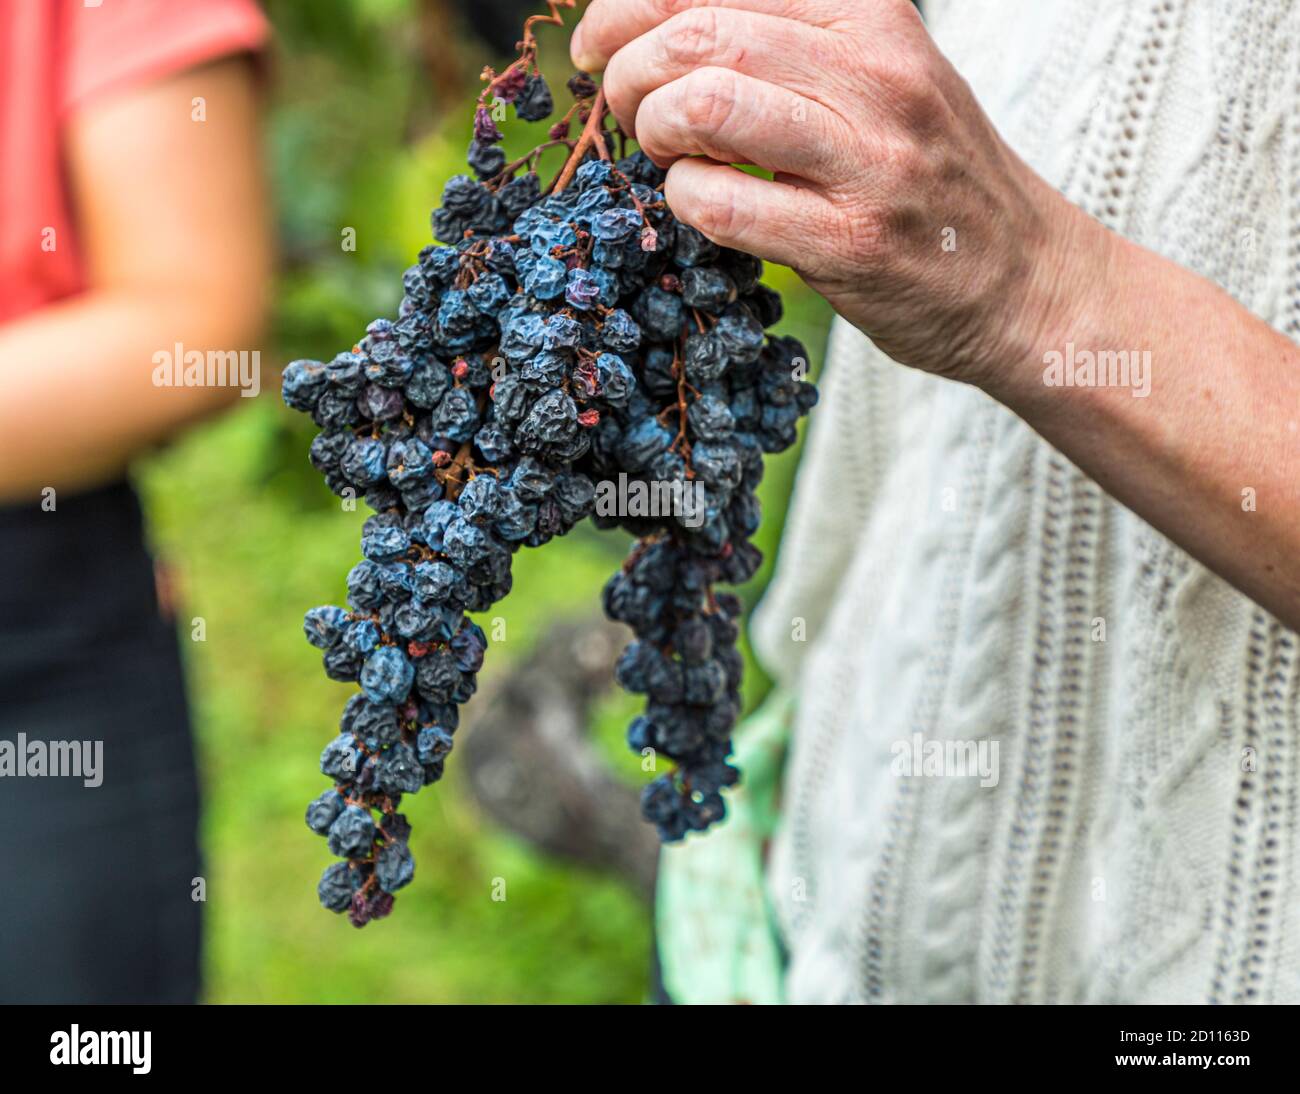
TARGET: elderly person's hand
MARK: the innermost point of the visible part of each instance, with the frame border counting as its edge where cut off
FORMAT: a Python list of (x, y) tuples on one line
[(893, 195), (880, 155)]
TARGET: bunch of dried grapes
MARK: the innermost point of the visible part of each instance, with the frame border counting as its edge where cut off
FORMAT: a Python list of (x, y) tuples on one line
[(560, 339)]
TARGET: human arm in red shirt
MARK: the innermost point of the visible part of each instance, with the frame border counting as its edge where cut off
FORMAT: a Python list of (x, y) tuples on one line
[(173, 226)]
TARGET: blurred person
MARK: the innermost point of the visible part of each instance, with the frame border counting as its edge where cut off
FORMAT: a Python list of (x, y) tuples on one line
[(134, 224), (1034, 630)]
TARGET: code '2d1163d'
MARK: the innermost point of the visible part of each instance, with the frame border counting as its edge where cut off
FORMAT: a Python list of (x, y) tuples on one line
[(561, 336)]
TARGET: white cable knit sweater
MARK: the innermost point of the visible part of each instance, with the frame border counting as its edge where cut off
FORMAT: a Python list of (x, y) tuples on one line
[(1143, 841)]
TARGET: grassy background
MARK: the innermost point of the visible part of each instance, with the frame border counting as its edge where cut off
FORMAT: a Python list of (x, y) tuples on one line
[(368, 115)]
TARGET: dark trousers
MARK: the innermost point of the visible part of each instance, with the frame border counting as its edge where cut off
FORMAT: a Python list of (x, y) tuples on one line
[(95, 882)]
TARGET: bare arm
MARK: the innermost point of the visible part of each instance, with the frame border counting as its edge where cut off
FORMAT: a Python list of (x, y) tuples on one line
[(174, 232), (1211, 457)]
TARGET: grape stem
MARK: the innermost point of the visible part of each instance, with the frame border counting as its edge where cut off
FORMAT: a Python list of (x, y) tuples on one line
[(680, 442), (530, 160), (594, 126), (554, 18), (453, 476), (527, 47)]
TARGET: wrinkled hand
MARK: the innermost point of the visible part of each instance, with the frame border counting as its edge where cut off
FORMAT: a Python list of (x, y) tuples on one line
[(892, 195)]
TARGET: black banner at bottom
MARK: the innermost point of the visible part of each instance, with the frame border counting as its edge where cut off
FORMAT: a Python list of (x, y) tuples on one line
[(141, 1043)]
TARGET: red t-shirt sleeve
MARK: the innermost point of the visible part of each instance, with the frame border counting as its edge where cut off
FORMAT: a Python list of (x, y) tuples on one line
[(116, 44)]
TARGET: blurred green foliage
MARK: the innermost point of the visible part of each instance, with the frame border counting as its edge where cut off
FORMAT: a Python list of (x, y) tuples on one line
[(362, 133)]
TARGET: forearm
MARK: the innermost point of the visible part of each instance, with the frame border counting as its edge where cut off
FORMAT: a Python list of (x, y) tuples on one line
[(77, 393), (1211, 456)]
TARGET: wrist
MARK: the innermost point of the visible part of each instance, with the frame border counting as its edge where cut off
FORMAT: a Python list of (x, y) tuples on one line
[(1064, 303)]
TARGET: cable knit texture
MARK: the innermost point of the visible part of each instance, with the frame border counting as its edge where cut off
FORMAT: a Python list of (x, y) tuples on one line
[(949, 573)]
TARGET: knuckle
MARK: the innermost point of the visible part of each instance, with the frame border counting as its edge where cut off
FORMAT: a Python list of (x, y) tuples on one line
[(708, 100), (900, 74), (912, 86), (692, 37)]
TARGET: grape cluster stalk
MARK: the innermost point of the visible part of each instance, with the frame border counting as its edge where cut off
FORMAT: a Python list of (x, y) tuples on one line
[(555, 337)]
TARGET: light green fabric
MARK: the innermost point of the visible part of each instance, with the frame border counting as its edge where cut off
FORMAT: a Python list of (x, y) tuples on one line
[(717, 938)]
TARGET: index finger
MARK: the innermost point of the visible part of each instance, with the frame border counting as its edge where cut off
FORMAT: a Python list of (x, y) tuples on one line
[(608, 25)]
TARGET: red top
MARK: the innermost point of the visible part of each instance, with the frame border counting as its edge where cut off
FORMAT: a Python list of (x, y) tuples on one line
[(55, 56)]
